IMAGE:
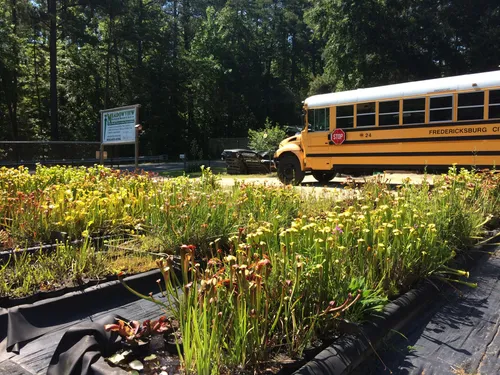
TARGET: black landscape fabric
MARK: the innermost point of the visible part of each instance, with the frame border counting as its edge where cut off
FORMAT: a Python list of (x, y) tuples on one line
[(25, 323), (83, 348), (458, 334)]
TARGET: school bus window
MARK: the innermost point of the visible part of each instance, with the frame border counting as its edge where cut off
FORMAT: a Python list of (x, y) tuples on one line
[(494, 107), (471, 106), (414, 111), (388, 113), (365, 114), (345, 116), (319, 119), (441, 108)]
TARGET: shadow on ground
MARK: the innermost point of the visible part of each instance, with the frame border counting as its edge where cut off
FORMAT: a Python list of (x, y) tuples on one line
[(458, 333)]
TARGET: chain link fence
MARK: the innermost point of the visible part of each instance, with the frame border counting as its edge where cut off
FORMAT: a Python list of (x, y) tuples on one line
[(30, 153)]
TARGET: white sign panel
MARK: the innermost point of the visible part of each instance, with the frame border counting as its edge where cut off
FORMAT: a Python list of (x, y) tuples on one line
[(118, 125)]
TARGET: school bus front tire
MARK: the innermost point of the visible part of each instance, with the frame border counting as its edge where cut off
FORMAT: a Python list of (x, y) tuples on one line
[(289, 171)]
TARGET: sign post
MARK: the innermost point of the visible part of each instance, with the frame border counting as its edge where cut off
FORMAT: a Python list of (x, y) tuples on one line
[(138, 129), (120, 126), (183, 158)]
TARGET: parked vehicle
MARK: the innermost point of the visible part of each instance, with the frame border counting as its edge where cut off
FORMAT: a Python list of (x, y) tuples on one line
[(245, 161)]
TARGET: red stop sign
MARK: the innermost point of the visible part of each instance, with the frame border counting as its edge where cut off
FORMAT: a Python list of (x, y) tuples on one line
[(338, 136)]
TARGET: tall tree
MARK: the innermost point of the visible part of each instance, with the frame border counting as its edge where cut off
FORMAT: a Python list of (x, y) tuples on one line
[(220, 70), (52, 13), (15, 54), (9, 63)]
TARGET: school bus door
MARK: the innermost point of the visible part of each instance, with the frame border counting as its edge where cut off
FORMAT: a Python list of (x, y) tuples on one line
[(316, 139)]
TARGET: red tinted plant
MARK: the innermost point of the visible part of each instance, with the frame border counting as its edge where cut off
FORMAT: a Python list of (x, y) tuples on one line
[(135, 333)]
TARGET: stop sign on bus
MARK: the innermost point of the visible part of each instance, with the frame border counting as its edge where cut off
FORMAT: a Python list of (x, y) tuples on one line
[(338, 136)]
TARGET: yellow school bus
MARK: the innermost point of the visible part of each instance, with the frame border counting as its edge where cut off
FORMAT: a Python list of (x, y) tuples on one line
[(419, 125)]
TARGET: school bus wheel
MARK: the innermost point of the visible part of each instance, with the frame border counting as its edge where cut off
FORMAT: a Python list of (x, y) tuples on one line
[(323, 176), (289, 171)]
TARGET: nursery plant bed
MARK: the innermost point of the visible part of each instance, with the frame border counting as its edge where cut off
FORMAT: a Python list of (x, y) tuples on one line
[(161, 355), (458, 334), (288, 280), (341, 357), (58, 238), (348, 354), (154, 357), (64, 287), (32, 330), (55, 274)]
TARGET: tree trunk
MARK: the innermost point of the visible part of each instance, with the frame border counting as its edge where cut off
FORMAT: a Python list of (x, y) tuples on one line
[(14, 99), (37, 85), (139, 36), (293, 62), (176, 36), (108, 59), (117, 66), (186, 16), (54, 126), (97, 104)]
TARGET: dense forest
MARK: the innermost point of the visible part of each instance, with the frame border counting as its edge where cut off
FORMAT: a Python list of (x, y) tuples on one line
[(217, 68)]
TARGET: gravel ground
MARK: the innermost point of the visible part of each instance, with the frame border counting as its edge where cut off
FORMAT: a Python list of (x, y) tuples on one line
[(310, 183)]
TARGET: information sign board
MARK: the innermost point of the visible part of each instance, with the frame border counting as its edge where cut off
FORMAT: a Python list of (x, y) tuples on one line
[(118, 125)]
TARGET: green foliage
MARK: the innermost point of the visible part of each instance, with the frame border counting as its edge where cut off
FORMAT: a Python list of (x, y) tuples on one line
[(218, 71), (197, 72), (28, 273), (279, 288), (266, 139), (375, 42), (273, 271)]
